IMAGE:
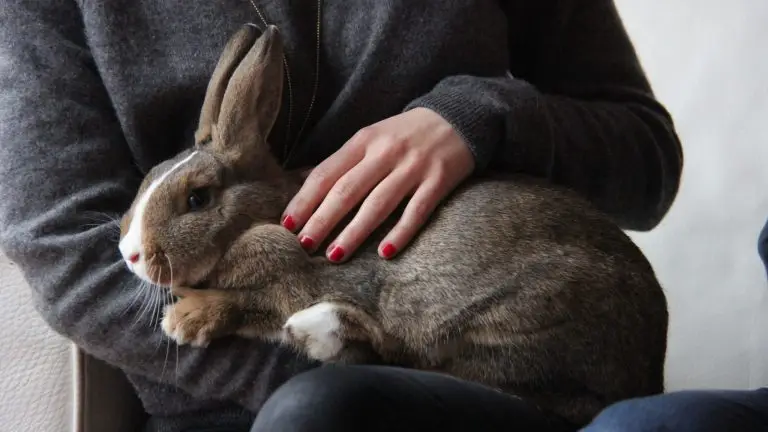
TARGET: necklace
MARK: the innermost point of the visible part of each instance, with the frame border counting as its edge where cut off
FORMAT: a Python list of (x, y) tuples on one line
[(289, 147)]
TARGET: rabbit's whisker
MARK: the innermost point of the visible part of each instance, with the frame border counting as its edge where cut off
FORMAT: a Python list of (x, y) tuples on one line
[(102, 221), (152, 303), (136, 295), (152, 299), (143, 288), (158, 282), (158, 304), (173, 311), (167, 301), (170, 267), (160, 300), (101, 217), (146, 306)]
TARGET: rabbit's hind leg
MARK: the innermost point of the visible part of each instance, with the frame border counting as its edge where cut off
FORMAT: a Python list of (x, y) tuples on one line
[(335, 332)]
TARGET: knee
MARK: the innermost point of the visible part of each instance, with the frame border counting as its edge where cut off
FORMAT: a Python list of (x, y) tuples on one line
[(684, 411), (326, 398), (634, 415)]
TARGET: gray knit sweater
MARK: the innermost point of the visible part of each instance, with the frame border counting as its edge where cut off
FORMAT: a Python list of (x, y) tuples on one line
[(92, 94)]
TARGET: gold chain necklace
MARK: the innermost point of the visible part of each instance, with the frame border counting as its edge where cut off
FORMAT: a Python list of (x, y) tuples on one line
[(288, 148)]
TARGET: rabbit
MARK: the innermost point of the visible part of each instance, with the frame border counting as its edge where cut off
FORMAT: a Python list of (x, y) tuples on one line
[(514, 283)]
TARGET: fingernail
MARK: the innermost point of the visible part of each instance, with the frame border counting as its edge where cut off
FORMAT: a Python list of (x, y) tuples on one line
[(388, 251), (288, 223), (337, 254), (306, 242)]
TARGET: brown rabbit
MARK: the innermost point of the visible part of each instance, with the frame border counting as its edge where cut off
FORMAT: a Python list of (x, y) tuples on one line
[(514, 283)]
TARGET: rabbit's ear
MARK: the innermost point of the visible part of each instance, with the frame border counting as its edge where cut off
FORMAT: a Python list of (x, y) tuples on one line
[(243, 100), (232, 55)]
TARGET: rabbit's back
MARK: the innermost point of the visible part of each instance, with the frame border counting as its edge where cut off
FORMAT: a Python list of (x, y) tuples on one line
[(534, 275), (498, 238)]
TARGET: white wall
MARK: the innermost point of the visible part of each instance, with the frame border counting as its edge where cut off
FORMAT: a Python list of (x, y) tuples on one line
[(708, 63)]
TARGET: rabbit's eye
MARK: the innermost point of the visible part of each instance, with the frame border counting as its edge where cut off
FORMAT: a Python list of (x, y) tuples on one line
[(197, 199)]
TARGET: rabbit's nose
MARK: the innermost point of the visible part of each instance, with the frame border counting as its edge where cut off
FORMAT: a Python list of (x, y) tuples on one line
[(134, 258)]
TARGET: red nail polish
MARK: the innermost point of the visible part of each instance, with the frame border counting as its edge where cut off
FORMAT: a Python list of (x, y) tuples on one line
[(389, 250), (306, 242), (337, 254), (288, 223)]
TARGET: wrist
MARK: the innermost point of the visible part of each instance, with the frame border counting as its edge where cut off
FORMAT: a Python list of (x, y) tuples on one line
[(471, 124)]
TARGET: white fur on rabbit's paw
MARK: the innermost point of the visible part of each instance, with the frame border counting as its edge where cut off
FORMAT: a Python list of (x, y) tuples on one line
[(188, 322), (315, 330)]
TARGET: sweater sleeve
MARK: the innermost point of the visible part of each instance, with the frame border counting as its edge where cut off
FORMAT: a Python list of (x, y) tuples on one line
[(63, 160), (576, 108)]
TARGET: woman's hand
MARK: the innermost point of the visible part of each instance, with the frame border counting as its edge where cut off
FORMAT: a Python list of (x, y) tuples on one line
[(416, 153)]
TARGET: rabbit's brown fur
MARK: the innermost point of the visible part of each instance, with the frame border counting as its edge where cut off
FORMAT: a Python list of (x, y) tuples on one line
[(513, 283)]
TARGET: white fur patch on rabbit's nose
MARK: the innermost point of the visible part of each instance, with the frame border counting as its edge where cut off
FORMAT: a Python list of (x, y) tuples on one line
[(131, 244)]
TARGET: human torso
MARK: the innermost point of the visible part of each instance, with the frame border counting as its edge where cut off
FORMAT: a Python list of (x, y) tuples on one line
[(155, 58)]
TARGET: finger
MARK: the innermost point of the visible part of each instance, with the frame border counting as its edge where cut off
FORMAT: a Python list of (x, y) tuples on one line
[(317, 185), (416, 213), (376, 208), (347, 193)]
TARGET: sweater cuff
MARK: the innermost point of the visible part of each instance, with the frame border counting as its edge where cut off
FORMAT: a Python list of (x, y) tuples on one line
[(477, 108)]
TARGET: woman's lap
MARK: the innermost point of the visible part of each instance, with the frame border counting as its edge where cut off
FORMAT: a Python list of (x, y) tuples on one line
[(688, 411), (373, 398)]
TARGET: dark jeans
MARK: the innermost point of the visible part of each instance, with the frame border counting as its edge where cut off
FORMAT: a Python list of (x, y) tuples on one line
[(377, 398), (688, 411)]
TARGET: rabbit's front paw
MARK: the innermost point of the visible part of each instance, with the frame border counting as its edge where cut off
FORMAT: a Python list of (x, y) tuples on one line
[(315, 330), (193, 319)]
